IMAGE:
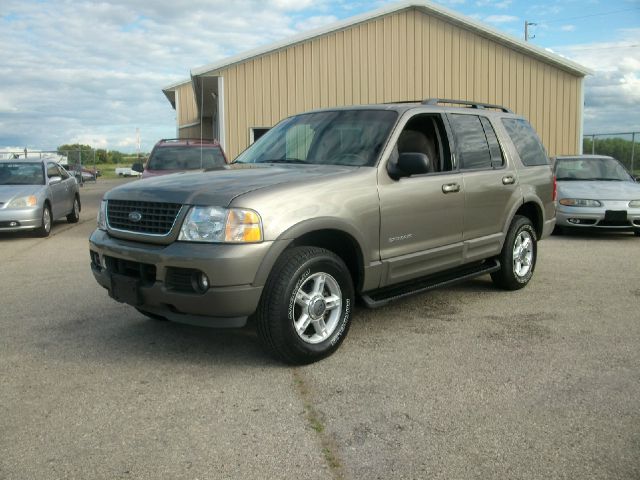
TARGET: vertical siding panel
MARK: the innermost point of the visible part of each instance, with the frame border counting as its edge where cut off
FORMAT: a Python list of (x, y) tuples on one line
[(380, 67), (500, 98), (464, 64), (417, 55), (491, 73), (526, 87), (573, 106), (410, 55), (477, 74), (540, 99), (426, 59), (455, 63), (513, 80), (486, 81), (533, 90), (547, 108), (348, 67), (364, 57), (251, 108), (298, 69), (447, 61), (241, 109), (355, 59), (315, 73), (372, 73), (275, 92), (401, 93), (291, 82), (395, 61), (331, 67), (442, 60), (553, 108), (433, 57), (267, 91), (324, 68), (283, 110), (340, 83), (229, 100), (307, 79), (519, 82)]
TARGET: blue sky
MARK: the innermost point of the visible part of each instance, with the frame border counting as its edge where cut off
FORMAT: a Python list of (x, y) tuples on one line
[(92, 72)]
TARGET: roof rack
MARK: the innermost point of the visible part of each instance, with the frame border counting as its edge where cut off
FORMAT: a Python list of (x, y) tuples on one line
[(469, 103)]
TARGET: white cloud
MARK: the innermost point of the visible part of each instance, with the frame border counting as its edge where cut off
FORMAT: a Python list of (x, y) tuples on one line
[(613, 91), (568, 28), (498, 19), (312, 23), (500, 4)]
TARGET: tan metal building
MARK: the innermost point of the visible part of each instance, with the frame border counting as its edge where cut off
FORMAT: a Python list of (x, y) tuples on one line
[(405, 51)]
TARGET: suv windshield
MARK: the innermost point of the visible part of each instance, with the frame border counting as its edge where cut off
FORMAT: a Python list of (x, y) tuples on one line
[(21, 173), (185, 158), (582, 169), (343, 137)]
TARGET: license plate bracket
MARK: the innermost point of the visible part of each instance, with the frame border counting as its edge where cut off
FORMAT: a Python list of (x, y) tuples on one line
[(125, 289), (615, 215)]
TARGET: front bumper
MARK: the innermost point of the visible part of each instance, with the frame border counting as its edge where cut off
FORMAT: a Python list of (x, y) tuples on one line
[(26, 219), (231, 269), (613, 215)]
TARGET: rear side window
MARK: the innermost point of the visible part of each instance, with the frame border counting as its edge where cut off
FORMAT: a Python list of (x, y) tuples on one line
[(526, 141), (478, 146)]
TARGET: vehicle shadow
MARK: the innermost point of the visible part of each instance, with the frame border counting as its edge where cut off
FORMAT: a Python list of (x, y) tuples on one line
[(117, 338)]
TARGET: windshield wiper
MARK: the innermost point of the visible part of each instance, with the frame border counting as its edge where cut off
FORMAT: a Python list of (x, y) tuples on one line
[(283, 160)]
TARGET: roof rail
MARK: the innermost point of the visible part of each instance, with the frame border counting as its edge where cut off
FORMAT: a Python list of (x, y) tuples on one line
[(469, 103)]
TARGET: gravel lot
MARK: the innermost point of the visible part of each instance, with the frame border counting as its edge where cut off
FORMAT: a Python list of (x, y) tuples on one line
[(467, 382)]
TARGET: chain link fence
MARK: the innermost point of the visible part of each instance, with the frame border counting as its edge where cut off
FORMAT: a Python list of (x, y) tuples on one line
[(621, 146)]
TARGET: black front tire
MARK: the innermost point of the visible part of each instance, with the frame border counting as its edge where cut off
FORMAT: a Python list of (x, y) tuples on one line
[(518, 255), (74, 216), (281, 314), (45, 228)]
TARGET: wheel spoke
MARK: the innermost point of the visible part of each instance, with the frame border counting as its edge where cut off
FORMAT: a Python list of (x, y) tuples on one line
[(318, 285), (320, 327), (302, 299), (302, 323), (333, 302)]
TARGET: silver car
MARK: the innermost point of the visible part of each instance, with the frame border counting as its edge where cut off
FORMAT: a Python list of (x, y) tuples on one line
[(596, 192), (33, 193)]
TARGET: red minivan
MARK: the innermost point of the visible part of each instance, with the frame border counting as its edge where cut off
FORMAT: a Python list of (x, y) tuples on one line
[(182, 154)]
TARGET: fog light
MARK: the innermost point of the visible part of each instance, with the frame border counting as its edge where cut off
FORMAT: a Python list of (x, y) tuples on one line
[(13, 224), (202, 281), (573, 220)]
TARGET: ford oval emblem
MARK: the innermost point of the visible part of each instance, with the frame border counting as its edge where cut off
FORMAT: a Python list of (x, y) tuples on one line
[(135, 217)]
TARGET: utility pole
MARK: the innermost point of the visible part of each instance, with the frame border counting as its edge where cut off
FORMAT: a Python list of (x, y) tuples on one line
[(528, 24)]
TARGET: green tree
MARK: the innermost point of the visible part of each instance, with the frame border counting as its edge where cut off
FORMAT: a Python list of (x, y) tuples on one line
[(618, 148), (76, 153)]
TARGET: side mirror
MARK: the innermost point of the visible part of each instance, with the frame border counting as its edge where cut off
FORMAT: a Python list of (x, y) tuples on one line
[(55, 179), (411, 163), (637, 178), (137, 167)]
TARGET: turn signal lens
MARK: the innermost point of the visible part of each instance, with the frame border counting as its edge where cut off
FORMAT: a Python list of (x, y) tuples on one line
[(634, 204), (243, 226), (579, 202)]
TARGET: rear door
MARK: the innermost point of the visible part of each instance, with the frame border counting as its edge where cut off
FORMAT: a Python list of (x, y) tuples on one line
[(421, 215), (490, 184)]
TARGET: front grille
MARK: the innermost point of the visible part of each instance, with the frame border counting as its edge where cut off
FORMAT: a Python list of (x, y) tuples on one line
[(181, 279), (143, 271), (154, 218)]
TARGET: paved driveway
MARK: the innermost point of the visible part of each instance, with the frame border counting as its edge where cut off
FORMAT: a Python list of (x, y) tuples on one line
[(468, 382)]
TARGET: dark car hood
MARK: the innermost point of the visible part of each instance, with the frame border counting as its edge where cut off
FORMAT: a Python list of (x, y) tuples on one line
[(220, 186)]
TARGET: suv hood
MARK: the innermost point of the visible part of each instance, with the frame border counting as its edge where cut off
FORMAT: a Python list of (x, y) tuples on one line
[(220, 186), (599, 190)]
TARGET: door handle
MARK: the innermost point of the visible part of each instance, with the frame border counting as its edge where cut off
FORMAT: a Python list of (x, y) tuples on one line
[(450, 188), (508, 180)]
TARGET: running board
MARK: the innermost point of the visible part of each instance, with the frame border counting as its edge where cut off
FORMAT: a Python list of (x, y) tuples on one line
[(382, 296)]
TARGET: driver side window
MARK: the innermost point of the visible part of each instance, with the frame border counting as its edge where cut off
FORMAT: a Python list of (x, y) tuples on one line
[(425, 134)]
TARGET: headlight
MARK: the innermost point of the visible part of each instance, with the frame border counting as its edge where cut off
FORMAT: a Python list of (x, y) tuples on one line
[(579, 202), (221, 225), (22, 202), (634, 204), (102, 215)]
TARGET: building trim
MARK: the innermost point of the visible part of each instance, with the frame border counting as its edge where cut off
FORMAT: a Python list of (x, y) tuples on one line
[(220, 114)]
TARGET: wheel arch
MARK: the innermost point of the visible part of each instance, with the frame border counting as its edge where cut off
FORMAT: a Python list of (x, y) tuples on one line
[(333, 236)]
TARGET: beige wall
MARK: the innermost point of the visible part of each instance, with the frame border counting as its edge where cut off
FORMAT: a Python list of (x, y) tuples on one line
[(187, 111), (402, 56)]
